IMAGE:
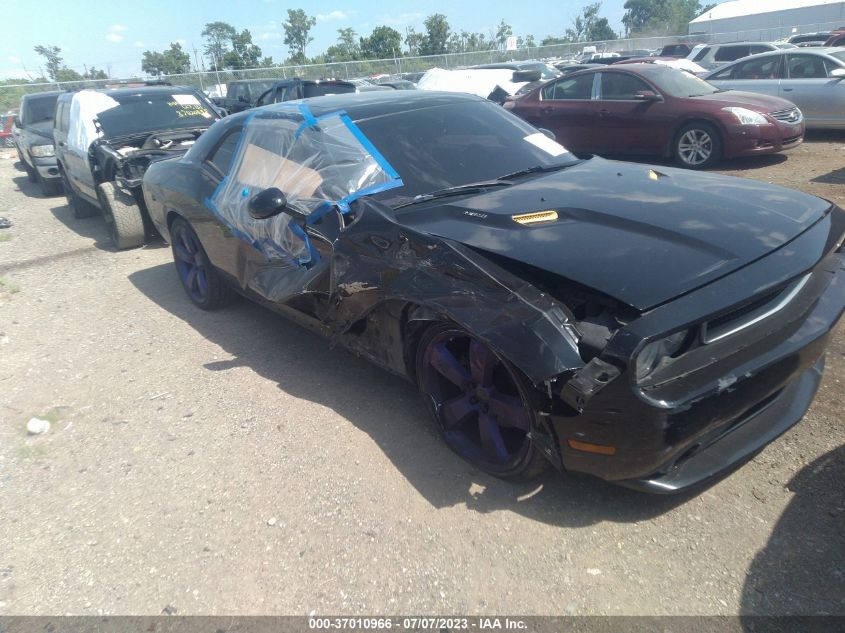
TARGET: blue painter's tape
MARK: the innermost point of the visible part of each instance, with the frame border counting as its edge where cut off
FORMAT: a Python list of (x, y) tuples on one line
[(358, 134)]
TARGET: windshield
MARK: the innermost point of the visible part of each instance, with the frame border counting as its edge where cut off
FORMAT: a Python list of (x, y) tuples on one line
[(153, 111), (39, 109), (450, 145), (678, 83)]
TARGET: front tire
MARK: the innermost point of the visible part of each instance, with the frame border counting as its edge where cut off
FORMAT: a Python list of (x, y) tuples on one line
[(481, 403), (697, 145), (31, 172), (203, 283), (50, 188), (123, 215)]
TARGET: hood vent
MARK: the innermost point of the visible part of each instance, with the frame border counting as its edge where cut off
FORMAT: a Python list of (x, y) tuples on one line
[(535, 218)]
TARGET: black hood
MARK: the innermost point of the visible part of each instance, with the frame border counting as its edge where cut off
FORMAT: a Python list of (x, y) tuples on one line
[(641, 234)]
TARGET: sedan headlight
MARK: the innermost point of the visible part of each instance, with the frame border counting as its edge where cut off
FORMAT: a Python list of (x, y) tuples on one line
[(42, 151), (653, 353), (747, 117)]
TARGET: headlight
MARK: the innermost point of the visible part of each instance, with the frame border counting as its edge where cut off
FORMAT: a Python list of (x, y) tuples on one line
[(747, 117), (653, 353), (42, 151)]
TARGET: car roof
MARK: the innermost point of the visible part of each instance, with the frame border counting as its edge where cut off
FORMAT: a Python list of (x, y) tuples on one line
[(366, 105), (819, 50)]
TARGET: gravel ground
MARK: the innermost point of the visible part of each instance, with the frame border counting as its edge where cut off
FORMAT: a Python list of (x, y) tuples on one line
[(230, 463)]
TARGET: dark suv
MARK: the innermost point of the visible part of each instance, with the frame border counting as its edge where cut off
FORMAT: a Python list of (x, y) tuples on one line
[(33, 137), (243, 93), (106, 139), (290, 89)]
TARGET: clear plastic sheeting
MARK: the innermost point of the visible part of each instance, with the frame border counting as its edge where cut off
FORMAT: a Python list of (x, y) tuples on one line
[(319, 163)]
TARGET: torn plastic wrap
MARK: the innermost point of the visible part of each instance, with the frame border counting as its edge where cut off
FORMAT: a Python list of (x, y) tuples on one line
[(84, 108), (320, 164)]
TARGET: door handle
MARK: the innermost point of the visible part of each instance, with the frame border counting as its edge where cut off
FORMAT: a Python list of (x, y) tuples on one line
[(788, 89), (546, 110), (604, 112), (61, 143)]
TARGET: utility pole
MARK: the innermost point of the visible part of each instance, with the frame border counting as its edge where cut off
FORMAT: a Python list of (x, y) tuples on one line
[(197, 66)]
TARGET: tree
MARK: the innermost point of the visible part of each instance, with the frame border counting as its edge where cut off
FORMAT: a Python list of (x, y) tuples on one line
[(413, 40), (382, 43), (173, 61), (661, 16), (346, 49), (68, 74), (436, 38), (53, 61), (503, 32), (297, 28), (529, 41), (94, 73), (589, 27), (244, 53), (218, 37)]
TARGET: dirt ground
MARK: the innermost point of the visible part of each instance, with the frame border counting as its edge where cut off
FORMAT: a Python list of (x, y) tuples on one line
[(230, 463)]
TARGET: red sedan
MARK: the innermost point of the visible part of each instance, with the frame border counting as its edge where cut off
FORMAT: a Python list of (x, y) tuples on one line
[(657, 110)]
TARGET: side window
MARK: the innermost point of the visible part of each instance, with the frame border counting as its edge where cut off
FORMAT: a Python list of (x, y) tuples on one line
[(806, 67), (727, 73), (731, 53), (765, 68), (264, 99), (754, 50), (621, 87), (701, 54), (237, 92), (64, 119), (830, 65), (221, 156), (580, 87)]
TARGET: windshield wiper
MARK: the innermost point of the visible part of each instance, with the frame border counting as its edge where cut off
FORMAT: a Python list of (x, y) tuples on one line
[(537, 169), (459, 190)]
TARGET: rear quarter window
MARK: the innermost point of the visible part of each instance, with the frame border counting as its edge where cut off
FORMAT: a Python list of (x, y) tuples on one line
[(731, 53)]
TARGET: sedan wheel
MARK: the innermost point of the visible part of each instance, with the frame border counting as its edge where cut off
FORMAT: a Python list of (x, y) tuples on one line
[(480, 403), (698, 146)]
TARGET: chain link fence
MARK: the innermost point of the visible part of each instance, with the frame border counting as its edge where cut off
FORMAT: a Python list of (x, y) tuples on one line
[(211, 81)]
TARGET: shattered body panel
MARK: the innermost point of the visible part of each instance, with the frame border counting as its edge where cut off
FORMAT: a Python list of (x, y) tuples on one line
[(574, 302)]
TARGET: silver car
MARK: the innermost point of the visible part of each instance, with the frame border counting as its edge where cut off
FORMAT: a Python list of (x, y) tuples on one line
[(813, 79)]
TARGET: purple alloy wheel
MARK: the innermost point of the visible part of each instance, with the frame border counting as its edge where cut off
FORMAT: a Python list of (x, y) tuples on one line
[(190, 262), (482, 415)]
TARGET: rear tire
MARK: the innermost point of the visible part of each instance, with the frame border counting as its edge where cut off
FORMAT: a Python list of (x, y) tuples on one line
[(81, 208), (203, 283), (123, 215)]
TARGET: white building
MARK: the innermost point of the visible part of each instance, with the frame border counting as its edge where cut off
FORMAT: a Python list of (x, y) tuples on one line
[(769, 19)]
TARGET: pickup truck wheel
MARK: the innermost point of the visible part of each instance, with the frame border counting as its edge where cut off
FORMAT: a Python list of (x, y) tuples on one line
[(31, 172), (123, 216), (203, 283), (81, 208), (50, 188)]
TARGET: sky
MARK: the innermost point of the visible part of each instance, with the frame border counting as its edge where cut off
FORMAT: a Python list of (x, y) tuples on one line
[(112, 35)]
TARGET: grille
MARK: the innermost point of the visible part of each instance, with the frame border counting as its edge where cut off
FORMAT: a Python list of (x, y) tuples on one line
[(751, 313), (793, 115)]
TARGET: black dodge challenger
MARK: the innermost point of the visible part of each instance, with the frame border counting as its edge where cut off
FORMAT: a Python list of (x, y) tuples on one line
[(650, 326)]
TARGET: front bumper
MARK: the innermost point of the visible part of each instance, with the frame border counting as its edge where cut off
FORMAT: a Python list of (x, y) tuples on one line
[(751, 140), (699, 434), (46, 167)]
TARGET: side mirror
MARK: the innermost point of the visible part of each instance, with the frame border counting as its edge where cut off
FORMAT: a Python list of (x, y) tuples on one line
[(838, 73), (267, 204), (18, 122), (647, 95), (547, 133)]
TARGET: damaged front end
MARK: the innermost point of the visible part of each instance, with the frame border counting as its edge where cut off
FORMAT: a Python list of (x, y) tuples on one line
[(125, 160)]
